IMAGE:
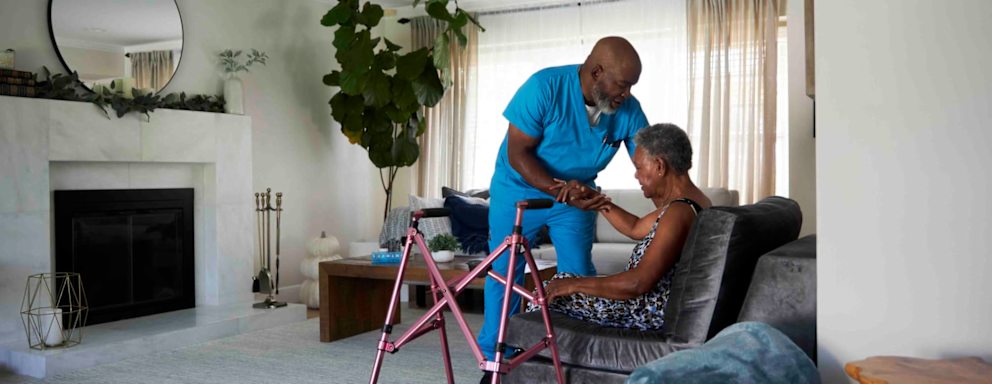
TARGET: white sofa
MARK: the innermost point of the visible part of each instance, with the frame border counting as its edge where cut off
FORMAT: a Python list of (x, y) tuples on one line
[(611, 249)]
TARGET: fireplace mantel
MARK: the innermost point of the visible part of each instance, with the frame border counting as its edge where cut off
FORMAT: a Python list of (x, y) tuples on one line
[(47, 145)]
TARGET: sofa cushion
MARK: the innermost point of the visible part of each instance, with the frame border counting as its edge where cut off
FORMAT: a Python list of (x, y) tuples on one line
[(480, 193), (633, 201), (783, 292), (717, 262), (590, 345), (722, 197), (394, 228), (469, 222)]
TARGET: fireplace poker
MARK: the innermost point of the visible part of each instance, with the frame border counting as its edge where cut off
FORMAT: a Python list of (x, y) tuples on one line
[(278, 232)]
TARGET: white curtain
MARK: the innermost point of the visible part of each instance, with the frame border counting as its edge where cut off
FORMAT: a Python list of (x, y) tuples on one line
[(440, 161), (151, 70), (517, 44), (733, 72)]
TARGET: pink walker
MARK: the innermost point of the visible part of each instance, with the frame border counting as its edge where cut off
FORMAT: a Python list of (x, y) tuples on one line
[(444, 297)]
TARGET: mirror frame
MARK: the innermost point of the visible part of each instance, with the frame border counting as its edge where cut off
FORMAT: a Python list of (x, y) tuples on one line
[(58, 52)]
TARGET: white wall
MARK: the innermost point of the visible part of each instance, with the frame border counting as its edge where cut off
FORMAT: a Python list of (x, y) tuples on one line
[(298, 149), (903, 112), (802, 149)]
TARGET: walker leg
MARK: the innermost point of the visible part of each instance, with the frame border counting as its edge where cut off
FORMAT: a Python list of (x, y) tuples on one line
[(444, 337)]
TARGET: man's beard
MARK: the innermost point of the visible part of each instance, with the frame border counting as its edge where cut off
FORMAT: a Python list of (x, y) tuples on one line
[(603, 103)]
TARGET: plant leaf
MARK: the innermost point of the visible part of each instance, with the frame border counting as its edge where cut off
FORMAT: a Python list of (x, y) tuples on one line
[(439, 10), (343, 37), (405, 149), (442, 55), (353, 83), (459, 20), (404, 97), (385, 60), (462, 40), (377, 88), (371, 14), (359, 56), (428, 87), (410, 65), (333, 79), (339, 15)]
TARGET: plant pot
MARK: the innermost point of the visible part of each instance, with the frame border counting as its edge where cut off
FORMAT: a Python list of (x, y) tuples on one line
[(234, 96), (443, 256)]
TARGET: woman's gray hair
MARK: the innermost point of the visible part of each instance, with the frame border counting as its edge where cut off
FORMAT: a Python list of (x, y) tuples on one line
[(668, 142)]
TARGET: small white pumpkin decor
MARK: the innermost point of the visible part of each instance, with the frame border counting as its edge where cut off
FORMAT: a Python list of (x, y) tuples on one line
[(320, 249)]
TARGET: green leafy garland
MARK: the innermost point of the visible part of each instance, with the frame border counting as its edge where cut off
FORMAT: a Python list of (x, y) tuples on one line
[(68, 87)]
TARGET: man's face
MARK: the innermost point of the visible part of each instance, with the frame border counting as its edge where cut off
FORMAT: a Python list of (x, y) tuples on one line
[(613, 88)]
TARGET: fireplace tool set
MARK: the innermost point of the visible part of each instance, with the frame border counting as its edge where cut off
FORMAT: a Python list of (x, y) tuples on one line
[(265, 281)]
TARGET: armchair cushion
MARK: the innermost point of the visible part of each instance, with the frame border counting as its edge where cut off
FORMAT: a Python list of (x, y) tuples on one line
[(590, 345)]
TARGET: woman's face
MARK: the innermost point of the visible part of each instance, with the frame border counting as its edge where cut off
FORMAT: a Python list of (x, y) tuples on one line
[(646, 168)]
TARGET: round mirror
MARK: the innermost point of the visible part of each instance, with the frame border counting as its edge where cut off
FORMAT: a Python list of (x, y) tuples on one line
[(132, 43)]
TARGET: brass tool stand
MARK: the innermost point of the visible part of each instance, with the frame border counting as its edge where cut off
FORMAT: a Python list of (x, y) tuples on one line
[(263, 216)]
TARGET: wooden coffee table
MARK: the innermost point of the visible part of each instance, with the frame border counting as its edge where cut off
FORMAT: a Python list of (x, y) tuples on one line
[(354, 293)]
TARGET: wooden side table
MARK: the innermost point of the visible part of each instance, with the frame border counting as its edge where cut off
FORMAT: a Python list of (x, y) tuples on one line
[(900, 370), (354, 293)]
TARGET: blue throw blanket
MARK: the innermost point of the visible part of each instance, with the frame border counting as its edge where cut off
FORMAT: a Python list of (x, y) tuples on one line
[(748, 352)]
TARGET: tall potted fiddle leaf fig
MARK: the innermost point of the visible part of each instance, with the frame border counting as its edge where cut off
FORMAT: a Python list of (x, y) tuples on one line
[(382, 92)]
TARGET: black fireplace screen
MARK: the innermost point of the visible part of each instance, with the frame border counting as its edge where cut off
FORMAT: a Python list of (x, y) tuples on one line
[(133, 249)]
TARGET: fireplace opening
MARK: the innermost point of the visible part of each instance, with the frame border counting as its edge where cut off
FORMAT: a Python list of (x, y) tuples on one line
[(133, 249)]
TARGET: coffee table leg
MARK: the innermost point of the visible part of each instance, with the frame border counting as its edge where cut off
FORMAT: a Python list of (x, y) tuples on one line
[(349, 306)]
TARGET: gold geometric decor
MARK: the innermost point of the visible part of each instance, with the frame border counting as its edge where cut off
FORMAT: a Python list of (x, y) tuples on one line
[(54, 310)]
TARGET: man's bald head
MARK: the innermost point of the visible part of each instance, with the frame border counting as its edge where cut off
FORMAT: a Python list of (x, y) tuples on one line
[(614, 52)]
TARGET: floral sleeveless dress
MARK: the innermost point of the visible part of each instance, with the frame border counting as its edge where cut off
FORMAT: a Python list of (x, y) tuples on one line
[(645, 312)]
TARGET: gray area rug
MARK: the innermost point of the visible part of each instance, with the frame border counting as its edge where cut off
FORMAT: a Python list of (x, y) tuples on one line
[(290, 354)]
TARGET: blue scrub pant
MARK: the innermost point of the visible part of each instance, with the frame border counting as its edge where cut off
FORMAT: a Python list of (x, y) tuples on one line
[(572, 232)]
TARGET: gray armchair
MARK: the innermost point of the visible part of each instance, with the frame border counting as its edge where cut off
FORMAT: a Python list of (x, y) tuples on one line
[(708, 290)]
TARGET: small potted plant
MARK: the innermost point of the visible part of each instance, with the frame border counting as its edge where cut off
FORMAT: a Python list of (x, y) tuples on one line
[(443, 247), (233, 88)]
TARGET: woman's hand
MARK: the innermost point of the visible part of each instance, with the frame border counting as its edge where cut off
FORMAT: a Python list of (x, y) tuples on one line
[(557, 288)]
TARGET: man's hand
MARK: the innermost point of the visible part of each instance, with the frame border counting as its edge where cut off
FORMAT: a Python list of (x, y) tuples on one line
[(579, 195)]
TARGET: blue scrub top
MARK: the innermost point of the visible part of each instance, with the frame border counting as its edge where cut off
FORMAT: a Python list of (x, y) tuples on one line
[(550, 106)]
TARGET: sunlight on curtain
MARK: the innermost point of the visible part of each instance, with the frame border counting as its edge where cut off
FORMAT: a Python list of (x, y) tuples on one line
[(151, 70), (517, 44), (441, 145), (733, 94)]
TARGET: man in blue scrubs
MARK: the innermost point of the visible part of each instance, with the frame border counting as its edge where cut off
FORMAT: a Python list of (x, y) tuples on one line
[(566, 123)]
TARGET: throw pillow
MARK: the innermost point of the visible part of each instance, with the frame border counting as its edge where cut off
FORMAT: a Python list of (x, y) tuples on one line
[(480, 193), (431, 226), (394, 228), (469, 222)]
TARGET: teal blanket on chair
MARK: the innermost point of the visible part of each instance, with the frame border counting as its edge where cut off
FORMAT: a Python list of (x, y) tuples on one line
[(748, 352)]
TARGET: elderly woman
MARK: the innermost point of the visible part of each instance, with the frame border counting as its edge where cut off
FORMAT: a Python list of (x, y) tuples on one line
[(636, 297)]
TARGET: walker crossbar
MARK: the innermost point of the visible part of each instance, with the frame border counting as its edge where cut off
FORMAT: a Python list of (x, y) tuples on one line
[(444, 293)]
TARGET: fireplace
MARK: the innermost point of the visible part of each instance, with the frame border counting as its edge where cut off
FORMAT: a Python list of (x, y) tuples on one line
[(133, 249)]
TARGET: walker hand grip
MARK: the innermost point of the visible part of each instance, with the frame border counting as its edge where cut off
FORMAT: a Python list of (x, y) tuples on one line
[(535, 203), (432, 212)]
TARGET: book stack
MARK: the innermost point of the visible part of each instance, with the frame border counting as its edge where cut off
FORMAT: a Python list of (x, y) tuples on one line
[(17, 83)]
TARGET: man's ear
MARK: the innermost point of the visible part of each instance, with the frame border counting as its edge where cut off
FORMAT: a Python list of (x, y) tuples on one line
[(596, 72)]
